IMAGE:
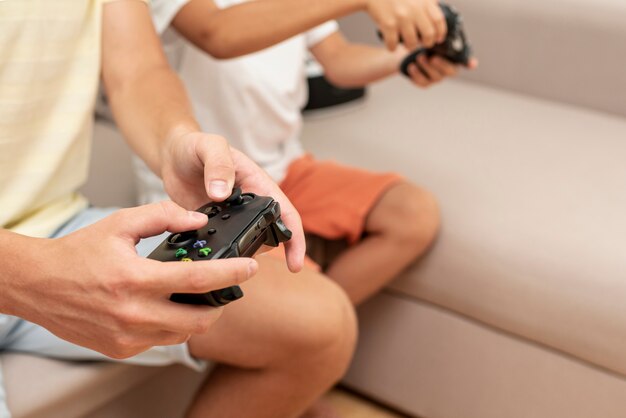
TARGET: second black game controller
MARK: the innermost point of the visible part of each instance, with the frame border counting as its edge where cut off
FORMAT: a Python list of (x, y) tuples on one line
[(237, 227), (455, 48)]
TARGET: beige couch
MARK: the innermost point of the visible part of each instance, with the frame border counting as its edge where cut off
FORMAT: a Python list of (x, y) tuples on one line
[(518, 311)]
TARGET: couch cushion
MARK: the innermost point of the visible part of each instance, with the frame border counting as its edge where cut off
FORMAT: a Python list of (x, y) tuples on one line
[(533, 198), (39, 387), (433, 363)]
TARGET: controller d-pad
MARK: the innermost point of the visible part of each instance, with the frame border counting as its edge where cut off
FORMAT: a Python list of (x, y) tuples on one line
[(181, 239)]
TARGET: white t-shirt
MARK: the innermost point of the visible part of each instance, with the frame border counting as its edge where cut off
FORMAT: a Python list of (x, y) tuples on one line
[(254, 101)]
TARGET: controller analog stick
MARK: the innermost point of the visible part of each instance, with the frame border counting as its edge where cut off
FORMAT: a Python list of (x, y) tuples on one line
[(235, 199), (181, 239)]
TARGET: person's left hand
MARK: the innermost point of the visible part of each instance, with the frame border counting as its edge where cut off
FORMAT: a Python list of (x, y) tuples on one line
[(435, 69), (197, 167)]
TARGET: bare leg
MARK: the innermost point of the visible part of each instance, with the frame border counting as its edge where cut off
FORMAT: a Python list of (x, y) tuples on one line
[(280, 347), (399, 229)]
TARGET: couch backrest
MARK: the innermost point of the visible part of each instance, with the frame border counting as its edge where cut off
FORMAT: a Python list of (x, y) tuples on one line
[(573, 51)]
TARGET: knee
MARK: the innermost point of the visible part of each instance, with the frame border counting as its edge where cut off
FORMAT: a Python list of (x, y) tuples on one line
[(423, 218), (416, 218), (323, 331), (335, 332)]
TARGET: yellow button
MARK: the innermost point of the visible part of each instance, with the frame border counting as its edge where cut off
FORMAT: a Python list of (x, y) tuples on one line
[(186, 260)]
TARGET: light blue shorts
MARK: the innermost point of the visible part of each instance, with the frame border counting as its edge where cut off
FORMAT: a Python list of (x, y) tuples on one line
[(17, 335)]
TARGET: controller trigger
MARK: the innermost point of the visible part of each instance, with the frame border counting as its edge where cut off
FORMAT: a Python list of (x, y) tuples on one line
[(283, 234)]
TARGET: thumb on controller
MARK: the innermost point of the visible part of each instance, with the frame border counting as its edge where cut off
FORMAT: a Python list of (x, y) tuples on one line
[(154, 219)]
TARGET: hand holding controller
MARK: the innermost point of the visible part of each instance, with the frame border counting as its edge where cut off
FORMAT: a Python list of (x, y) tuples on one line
[(236, 227), (455, 48)]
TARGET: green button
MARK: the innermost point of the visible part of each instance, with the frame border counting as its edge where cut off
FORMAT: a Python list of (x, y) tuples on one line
[(204, 251), (181, 252)]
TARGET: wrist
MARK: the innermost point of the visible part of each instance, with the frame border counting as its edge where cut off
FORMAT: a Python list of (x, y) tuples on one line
[(174, 137), (177, 133), (17, 272), (397, 56)]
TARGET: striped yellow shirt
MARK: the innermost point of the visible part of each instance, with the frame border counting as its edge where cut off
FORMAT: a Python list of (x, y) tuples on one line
[(49, 73)]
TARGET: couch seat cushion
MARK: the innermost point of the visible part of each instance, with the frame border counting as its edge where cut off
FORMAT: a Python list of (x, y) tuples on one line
[(41, 387), (533, 200)]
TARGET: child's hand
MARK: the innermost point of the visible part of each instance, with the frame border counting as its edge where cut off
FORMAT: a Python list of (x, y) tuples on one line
[(427, 71), (418, 22)]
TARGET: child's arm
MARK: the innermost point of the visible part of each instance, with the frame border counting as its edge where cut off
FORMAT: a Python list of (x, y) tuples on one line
[(255, 25), (348, 64)]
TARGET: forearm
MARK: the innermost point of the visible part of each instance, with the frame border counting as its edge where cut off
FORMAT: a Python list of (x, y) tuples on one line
[(151, 109), (15, 270), (360, 65), (252, 26), (147, 98), (352, 65)]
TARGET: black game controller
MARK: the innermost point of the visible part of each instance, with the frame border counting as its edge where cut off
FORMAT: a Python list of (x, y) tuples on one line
[(237, 227), (455, 48)]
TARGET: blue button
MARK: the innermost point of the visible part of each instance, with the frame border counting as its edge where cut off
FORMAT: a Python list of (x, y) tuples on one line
[(199, 244)]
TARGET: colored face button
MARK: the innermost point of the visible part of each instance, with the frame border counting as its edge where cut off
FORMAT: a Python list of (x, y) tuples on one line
[(199, 244), (181, 252), (204, 252), (186, 260)]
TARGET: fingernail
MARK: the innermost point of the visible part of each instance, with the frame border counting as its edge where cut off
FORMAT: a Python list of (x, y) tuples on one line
[(197, 215), (252, 268), (218, 188)]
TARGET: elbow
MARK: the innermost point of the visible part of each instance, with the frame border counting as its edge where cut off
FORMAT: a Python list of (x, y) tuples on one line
[(218, 44), (213, 45)]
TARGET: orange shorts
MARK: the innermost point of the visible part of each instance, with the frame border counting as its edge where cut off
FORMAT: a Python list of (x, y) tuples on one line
[(334, 200)]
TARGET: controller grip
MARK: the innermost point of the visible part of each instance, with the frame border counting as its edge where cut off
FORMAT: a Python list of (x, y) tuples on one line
[(410, 59), (404, 65)]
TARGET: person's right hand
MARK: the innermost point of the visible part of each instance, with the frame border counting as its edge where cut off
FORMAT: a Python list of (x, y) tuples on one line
[(93, 289), (193, 162), (418, 22)]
